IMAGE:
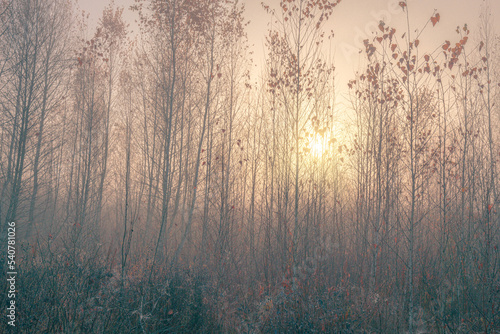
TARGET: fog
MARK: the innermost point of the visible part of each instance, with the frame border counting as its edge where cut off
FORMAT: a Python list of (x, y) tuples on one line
[(219, 166)]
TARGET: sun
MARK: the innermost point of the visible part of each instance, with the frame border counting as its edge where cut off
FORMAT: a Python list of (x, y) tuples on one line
[(317, 146)]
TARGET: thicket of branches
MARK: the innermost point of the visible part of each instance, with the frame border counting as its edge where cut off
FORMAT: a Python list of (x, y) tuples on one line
[(158, 187)]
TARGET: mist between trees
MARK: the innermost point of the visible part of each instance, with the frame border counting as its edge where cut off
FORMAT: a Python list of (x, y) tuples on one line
[(157, 186)]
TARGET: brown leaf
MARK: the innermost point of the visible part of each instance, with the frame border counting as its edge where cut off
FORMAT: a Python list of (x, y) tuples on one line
[(435, 19)]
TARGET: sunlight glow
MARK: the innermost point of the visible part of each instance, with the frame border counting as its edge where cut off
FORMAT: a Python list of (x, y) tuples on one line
[(317, 146)]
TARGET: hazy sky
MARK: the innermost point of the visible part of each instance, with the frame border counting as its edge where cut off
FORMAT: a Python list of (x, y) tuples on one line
[(353, 21)]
